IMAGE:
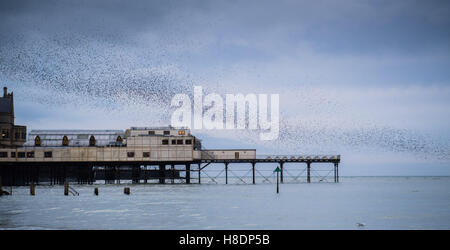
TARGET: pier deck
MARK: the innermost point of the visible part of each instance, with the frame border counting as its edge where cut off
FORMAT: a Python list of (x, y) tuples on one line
[(55, 172)]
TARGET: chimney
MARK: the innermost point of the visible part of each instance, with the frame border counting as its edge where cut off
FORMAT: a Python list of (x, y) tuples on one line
[(5, 91)]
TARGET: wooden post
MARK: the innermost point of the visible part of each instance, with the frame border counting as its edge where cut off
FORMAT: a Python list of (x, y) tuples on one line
[(226, 172), (126, 191), (32, 189), (308, 171), (253, 171), (66, 188), (96, 191)]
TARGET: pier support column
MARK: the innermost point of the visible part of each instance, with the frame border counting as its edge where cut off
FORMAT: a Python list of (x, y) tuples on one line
[(146, 172), (226, 172), (162, 173), (105, 173), (188, 173), (172, 173), (50, 174), (199, 173), (337, 172), (335, 179), (118, 174), (253, 171), (308, 172), (281, 172)]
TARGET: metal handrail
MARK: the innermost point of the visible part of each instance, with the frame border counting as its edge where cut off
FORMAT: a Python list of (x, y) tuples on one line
[(299, 157)]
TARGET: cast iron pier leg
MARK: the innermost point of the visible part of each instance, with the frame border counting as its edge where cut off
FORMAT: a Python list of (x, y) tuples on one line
[(226, 172), (335, 179), (281, 173), (253, 171), (337, 172), (188, 173), (199, 173), (162, 173), (172, 170), (308, 172)]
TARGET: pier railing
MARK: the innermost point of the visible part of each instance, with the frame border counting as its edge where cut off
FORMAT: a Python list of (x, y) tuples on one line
[(298, 157)]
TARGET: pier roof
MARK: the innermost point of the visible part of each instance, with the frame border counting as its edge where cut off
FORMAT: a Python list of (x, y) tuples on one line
[(53, 138)]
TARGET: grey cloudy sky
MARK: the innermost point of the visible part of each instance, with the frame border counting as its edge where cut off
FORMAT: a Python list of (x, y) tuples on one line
[(367, 79)]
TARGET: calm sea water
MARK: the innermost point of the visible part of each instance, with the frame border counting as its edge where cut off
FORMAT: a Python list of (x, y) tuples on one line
[(377, 202)]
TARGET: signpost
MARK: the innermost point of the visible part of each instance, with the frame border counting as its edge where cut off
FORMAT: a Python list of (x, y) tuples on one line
[(278, 170)]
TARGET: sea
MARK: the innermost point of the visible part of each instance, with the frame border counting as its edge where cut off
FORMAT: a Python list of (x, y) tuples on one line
[(361, 203)]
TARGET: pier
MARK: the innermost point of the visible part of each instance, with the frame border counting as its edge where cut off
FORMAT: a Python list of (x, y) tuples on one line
[(58, 173)]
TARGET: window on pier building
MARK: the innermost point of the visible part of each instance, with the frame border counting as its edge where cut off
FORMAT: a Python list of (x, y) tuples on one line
[(37, 141), (3, 154), (5, 133), (119, 139), (30, 154), (65, 141), (236, 155), (48, 154), (145, 154), (181, 132), (189, 142), (92, 141), (24, 135), (17, 135), (13, 154), (130, 154), (21, 154), (174, 142), (165, 142), (152, 132), (166, 132), (179, 142)]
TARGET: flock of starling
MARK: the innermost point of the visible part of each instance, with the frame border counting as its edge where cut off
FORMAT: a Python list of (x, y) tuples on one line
[(105, 75)]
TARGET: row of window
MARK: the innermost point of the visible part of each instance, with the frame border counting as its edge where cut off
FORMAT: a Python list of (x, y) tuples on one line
[(167, 132), (65, 140), (49, 154), (177, 142), (30, 154), (92, 141), (17, 135), (144, 154)]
